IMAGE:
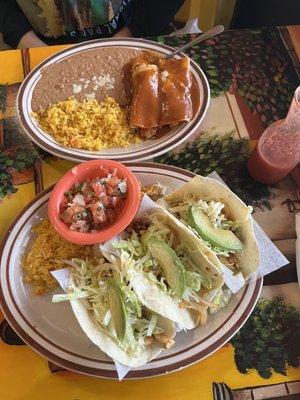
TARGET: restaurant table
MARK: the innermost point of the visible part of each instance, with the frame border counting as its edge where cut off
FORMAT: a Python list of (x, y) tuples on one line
[(252, 76)]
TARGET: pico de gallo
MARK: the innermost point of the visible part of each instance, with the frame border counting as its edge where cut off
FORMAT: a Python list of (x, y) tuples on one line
[(94, 204)]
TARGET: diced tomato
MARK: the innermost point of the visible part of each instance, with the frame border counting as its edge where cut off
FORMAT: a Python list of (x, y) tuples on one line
[(113, 182), (109, 190), (85, 187), (89, 200), (67, 215), (98, 188), (115, 201), (98, 212), (94, 207), (76, 208), (105, 200), (90, 205)]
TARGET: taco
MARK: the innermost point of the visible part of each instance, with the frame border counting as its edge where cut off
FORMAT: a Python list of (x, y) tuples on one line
[(220, 219), (112, 316), (169, 272)]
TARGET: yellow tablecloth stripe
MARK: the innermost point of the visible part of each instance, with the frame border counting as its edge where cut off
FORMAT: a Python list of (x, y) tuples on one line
[(38, 54), (22, 365), (11, 72), (11, 67)]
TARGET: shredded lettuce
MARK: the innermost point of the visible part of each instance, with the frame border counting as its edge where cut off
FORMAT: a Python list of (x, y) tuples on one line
[(193, 280), (213, 209), (131, 300), (145, 262), (158, 230), (206, 281), (220, 300), (120, 245), (217, 250), (160, 281), (148, 263), (197, 280), (132, 245), (152, 324), (91, 287), (80, 294)]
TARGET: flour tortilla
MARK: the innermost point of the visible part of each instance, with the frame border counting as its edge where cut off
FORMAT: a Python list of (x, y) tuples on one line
[(203, 259), (153, 296), (160, 302), (209, 189), (110, 346)]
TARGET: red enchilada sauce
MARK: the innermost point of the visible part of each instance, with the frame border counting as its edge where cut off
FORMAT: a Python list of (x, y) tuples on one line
[(175, 91), (278, 150), (162, 93), (145, 106)]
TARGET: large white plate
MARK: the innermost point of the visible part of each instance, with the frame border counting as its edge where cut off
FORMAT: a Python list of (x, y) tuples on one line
[(52, 330), (141, 152)]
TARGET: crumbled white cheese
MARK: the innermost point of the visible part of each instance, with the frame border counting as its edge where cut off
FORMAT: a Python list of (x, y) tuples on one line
[(77, 88), (122, 186), (89, 95), (79, 200), (105, 80)]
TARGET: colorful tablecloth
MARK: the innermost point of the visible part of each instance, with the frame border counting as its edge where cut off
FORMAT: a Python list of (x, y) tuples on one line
[(252, 76)]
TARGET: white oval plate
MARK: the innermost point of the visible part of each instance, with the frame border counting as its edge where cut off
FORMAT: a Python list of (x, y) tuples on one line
[(52, 330), (141, 152)]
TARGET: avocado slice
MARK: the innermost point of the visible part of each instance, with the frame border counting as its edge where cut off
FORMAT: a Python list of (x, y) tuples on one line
[(170, 263), (225, 240), (117, 308)]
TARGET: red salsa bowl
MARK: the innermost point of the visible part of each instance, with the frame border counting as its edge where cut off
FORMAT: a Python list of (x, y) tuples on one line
[(80, 174)]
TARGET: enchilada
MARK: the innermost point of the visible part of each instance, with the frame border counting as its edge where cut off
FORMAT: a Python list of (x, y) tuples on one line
[(160, 93), (175, 86)]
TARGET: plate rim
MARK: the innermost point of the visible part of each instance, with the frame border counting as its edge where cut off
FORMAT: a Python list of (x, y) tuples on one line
[(107, 373), (74, 154)]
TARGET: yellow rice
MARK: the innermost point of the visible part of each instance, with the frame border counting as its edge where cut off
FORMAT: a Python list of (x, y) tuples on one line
[(154, 191), (89, 124), (46, 254)]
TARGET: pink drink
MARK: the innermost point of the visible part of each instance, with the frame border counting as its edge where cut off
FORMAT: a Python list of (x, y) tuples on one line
[(278, 150)]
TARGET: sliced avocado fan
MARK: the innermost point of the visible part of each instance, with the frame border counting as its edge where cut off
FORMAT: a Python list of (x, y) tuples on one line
[(169, 262), (117, 308), (225, 240)]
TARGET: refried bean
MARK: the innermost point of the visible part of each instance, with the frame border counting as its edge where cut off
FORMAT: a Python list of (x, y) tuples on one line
[(58, 80)]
